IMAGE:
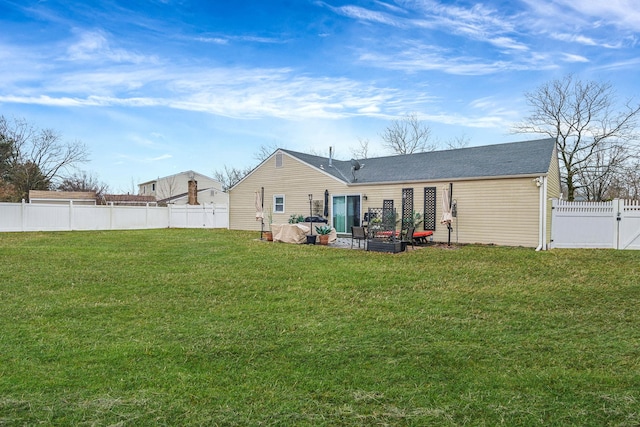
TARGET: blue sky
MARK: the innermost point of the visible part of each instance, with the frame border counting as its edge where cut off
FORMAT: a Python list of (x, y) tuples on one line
[(162, 86)]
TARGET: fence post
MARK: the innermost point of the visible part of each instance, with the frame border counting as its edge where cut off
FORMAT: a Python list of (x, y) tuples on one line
[(23, 216), (110, 215), (70, 215), (617, 217)]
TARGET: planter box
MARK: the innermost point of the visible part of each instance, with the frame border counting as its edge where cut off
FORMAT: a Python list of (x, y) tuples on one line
[(380, 246)]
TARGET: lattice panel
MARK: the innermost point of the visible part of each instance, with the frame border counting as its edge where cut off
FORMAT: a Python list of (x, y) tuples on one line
[(382, 224), (429, 208), (407, 207)]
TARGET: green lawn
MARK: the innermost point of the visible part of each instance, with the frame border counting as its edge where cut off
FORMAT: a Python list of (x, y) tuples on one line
[(212, 327)]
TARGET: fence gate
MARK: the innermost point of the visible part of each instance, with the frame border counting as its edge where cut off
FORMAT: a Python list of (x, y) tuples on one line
[(629, 225), (614, 224)]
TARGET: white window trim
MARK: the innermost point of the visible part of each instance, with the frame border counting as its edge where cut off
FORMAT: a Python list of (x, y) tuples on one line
[(275, 196)]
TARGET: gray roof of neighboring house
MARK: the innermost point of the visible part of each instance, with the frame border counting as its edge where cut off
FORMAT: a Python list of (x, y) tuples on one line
[(510, 159)]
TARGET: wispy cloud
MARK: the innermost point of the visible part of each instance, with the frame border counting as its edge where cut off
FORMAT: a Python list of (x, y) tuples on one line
[(569, 57), (508, 43), (585, 40), (620, 65), (231, 92), (142, 159), (94, 46), (512, 34), (415, 57), (367, 15), (620, 13), (159, 158), (227, 39)]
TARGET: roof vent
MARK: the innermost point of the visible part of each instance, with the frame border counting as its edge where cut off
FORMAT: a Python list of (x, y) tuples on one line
[(355, 165)]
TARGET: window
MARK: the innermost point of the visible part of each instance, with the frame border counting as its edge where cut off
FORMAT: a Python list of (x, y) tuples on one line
[(153, 187), (278, 203)]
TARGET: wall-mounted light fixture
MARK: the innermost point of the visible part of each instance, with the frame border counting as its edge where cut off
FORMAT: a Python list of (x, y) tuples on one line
[(364, 197)]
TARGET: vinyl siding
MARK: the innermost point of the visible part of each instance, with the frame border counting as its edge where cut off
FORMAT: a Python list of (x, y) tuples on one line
[(295, 180), (554, 190), (499, 211)]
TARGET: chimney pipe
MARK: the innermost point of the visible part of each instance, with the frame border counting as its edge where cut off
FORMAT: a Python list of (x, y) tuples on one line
[(330, 157)]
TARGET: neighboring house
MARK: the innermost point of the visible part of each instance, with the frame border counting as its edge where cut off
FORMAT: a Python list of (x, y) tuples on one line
[(501, 191), (176, 189), (63, 197)]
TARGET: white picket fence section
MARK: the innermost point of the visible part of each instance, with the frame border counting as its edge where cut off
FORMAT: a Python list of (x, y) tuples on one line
[(614, 224), (58, 217)]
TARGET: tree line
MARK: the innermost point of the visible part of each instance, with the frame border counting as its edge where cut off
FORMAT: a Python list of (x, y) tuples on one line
[(39, 159)]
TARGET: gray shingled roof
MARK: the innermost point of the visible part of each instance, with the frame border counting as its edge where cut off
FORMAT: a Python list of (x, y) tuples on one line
[(510, 159)]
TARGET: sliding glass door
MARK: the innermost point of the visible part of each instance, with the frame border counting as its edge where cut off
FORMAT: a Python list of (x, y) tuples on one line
[(346, 213)]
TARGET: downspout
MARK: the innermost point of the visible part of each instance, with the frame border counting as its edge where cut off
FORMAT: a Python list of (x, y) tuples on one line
[(541, 182), (545, 215)]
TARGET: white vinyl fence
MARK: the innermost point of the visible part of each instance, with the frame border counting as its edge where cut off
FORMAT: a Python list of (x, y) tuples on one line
[(614, 224), (58, 217)]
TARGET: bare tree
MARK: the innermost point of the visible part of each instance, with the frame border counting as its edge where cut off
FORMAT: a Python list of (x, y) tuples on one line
[(362, 151), (265, 151), (455, 142), (626, 185), (230, 176), (168, 187), (84, 181), (594, 138), (38, 158), (407, 135)]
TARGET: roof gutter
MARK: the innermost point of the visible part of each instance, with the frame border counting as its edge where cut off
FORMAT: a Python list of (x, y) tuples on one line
[(439, 180)]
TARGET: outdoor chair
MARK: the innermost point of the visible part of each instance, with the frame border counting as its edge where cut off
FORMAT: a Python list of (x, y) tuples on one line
[(358, 233), (408, 238)]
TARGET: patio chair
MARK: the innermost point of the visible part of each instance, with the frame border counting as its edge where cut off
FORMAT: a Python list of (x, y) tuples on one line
[(408, 237), (358, 233)]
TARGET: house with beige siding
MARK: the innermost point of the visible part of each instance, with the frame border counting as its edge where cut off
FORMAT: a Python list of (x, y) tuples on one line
[(501, 192)]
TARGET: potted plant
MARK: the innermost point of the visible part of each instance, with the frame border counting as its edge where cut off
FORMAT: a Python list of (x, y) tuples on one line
[(415, 220), (323, 233), (269, 234), (295, 218)]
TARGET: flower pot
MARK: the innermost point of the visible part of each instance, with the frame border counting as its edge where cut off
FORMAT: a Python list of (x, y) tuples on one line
[(269, 236), (324, 239)]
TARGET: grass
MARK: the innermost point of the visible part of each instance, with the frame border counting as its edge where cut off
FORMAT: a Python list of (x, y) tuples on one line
[(212, 327)]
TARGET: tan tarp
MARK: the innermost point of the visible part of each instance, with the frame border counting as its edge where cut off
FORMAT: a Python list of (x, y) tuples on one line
[(296, 233), (289, 233)]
